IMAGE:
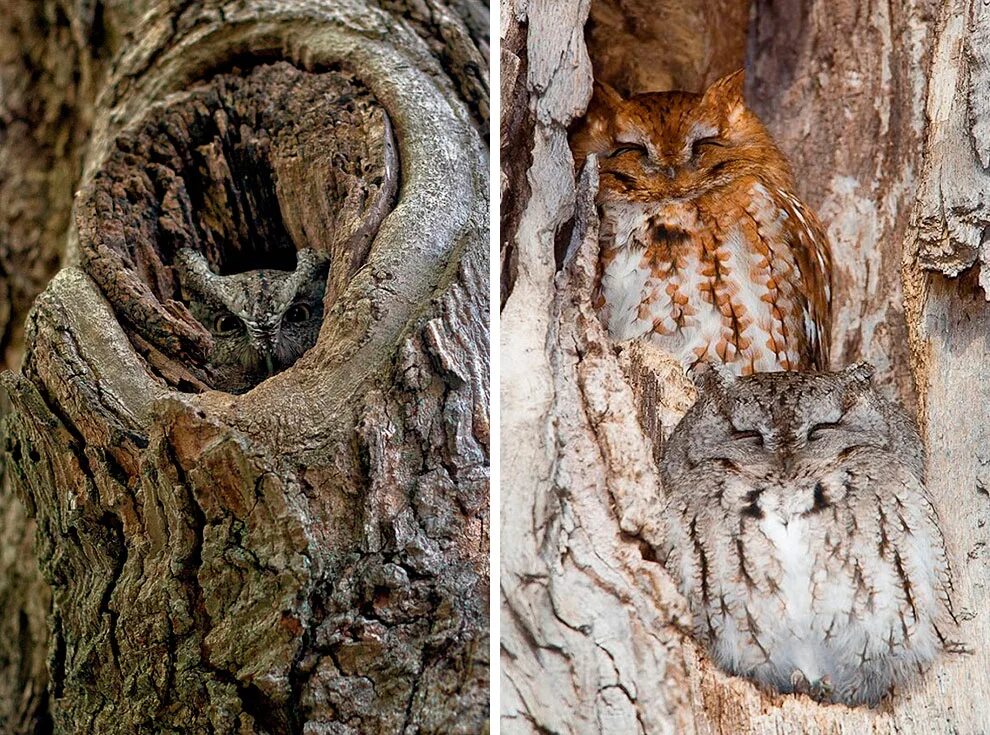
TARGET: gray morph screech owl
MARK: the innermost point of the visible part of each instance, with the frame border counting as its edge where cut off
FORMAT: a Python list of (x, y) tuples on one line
[(799, 529), (261, 321)]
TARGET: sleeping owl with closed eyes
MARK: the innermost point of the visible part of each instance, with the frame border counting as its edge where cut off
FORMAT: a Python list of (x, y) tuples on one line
[(260, 321), (706, 249), (799, 528)]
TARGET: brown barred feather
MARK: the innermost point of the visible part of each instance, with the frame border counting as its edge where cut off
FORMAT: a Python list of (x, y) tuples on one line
[(706, 249)]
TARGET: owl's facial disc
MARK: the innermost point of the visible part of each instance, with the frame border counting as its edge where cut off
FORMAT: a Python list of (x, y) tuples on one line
[(796, 427), (261, 321), (675, 145)]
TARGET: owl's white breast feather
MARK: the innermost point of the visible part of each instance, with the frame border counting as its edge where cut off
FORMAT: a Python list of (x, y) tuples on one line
[(623, 283), (789, 536)]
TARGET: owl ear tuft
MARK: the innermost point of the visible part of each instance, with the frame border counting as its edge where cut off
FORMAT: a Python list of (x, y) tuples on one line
[(595, 132), (193, 270), (606, 96), (712, 377), (604, 106), (310, 264), (311, 260), (861, 372), (728, 90)]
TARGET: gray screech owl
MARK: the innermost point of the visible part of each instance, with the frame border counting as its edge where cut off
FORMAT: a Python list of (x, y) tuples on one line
[(261, 321), (800, 531)]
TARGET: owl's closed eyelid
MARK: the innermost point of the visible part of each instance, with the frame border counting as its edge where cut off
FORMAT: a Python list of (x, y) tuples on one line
[(744, 434), (624, 148), (816, 430), (714, 141)]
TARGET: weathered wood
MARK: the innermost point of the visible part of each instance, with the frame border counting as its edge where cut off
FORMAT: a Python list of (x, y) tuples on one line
[(245, 168), (25, 598), (50, 71), (49, 74), (311, 556), (842, 88), (595, 637)]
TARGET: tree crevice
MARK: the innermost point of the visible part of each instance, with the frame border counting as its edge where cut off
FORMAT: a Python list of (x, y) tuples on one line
[(863, 99), (310, 556)]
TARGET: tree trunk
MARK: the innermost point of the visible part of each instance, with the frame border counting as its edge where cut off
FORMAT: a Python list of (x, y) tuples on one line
[(882, 109), (311, 556)]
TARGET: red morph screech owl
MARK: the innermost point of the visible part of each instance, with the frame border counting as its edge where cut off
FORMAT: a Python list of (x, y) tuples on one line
[(706, 249)]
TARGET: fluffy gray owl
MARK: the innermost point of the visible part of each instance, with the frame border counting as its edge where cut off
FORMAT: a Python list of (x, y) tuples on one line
[(261, 321), (800, 531)]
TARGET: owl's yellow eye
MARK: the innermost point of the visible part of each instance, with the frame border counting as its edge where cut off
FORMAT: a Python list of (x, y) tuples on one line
[(628, 148), (227, 324), (297, 313)]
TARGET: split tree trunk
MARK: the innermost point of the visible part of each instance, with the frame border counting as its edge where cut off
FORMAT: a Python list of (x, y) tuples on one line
[(882, 109), (310, 557)]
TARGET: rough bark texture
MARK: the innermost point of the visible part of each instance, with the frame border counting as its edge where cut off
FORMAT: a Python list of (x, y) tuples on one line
[(880, 110), (50, 69), (649, 46), (852, 123), (310, 557)]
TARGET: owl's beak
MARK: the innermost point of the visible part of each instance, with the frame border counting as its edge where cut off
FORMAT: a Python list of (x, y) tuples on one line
[(787, 462), (266, 346), (664, 166), (270, 350)]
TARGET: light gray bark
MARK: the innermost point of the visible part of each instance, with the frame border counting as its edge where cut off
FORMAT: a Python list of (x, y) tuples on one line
[(310, 557), (878, 108)]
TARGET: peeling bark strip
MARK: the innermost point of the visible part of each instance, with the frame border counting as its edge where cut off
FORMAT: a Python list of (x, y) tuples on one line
[(953, 212), (595, 637), (312, 556)]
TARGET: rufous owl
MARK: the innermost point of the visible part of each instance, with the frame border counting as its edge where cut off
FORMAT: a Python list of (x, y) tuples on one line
[(705, 248)]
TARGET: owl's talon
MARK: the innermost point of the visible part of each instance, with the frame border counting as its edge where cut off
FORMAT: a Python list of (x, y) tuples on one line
[(821, 691), (799, 682)]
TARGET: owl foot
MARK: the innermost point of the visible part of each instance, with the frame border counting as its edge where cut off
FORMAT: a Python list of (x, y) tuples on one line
[(799, 682), (820, 691)]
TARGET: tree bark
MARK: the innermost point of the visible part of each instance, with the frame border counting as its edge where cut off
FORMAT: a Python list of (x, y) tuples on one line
[(312, 556), (882, 110)]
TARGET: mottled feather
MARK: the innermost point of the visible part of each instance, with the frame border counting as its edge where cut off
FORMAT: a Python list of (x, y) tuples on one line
[(799, 529), (260, 321), (705, 248)]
